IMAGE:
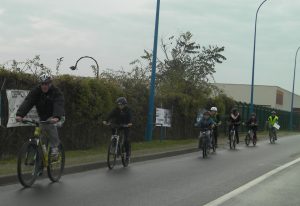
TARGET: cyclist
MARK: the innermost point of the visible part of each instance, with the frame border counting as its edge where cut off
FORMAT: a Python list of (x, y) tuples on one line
[(121, 115), (216, 118), (235, 120), (271, 121), (206, 123), (49, 102), (252, 124)]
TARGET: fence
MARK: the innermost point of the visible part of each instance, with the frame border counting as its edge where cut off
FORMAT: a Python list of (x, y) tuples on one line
[(262, 114)]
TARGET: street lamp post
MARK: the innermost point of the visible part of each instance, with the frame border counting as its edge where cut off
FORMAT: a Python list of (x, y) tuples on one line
[(293, 91), (75, 67), (149, 127), (253, 65)]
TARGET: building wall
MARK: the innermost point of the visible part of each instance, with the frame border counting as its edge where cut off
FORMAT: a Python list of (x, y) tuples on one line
[(263, 95)]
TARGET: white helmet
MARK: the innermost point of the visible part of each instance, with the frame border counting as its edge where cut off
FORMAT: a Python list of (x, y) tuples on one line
[(45, 78), (214, 109)]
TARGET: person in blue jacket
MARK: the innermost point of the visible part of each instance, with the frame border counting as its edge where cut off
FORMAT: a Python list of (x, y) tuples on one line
[(206, 124)]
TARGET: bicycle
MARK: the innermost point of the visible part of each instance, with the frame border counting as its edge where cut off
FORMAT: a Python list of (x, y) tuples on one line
[(272, 135), (250, 137), (35, 155), (116, 148), (232, 137), (204, 139)]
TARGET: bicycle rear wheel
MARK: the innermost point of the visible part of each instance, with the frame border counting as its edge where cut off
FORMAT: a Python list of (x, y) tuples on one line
[(28, 164), (56, 164), (111, 155)]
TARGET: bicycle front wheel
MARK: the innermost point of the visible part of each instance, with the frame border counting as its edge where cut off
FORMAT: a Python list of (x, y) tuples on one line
[(28, 164), (111, 155), (56, 164), (234, 142), (204, 149), (247, 139), (271, 136), (125, 160), (231, 141)]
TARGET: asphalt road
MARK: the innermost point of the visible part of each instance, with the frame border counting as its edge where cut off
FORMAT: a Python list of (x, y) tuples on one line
[(185, 180), (280, 189)]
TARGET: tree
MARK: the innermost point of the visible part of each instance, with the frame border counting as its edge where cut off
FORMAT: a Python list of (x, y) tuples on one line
[(183, 76)]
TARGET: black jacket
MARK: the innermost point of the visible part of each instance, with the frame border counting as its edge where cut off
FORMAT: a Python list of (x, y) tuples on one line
[(236, 121), (119, 116), (50, 104), (252, 121)]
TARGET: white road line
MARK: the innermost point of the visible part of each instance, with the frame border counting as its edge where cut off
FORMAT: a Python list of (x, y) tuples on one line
[(250, 184)]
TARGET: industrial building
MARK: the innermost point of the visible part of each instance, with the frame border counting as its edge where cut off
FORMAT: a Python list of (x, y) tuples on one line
[(268, 96)]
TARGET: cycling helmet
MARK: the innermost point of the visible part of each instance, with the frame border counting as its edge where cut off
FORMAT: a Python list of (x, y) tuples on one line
[(214, 109), (253, 114), (45, 78), (273, 112), (121, 101), (234, 110)]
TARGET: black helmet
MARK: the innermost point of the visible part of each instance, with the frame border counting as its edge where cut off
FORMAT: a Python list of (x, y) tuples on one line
[(234, 109), (253, 114), (121, 101)]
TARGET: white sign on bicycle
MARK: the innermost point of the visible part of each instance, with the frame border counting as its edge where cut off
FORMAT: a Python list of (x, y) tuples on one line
[(276, 126), (15, 99)]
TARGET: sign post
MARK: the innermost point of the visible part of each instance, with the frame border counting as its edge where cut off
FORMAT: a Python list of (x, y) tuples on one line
[(15, 99), (163, 120)]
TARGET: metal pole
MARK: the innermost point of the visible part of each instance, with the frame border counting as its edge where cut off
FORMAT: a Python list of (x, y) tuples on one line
[(253, 64), (149, 127), (293, 91)]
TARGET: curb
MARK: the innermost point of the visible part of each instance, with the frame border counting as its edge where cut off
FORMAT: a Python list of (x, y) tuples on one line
[(12, 179)]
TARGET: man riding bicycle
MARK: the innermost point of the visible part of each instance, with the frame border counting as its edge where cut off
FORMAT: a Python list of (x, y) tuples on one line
[(49, 102), (206, 124), (235, 121), (252, 124), (272, 120), (216, 118), (121, 115)]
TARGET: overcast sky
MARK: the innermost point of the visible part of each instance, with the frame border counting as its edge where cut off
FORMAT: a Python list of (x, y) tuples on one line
[(116, 32)]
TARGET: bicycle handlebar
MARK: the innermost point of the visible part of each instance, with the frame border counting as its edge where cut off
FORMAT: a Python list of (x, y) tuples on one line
[(34, 122), (117, 126)]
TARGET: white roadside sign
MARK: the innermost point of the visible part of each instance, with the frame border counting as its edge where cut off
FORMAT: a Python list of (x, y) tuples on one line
[(163, 117), (15, 99)]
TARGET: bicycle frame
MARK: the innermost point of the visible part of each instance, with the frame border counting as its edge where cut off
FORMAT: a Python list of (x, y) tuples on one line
[(39, 142)]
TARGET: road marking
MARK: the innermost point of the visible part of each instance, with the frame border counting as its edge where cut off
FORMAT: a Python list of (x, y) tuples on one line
[(250, 184)]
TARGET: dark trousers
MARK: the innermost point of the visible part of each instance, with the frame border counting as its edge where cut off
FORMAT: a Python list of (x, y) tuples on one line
[(127, 143), (216, 134), (254, 129)]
